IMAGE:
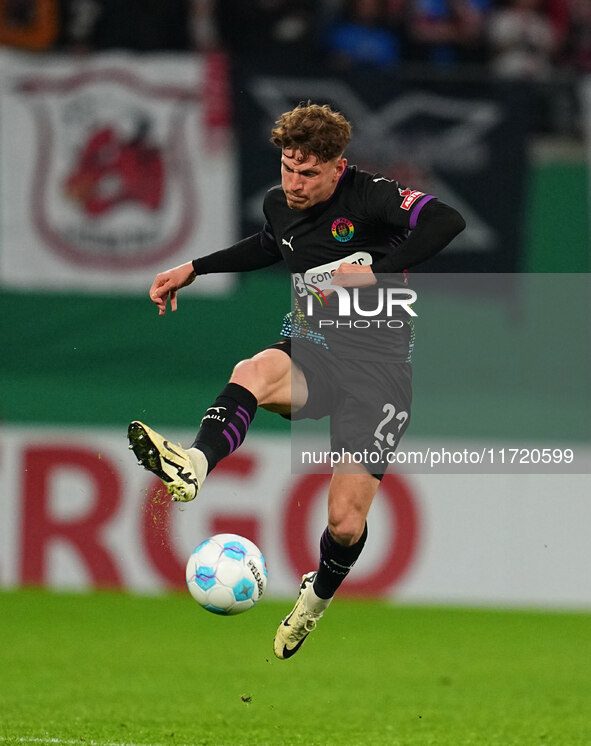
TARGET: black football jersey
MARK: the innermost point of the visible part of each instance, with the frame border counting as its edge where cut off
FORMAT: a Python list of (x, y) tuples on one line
[(366, 217)]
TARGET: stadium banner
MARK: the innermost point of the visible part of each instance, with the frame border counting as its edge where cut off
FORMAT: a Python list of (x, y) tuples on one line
[(79, 514), (462, 140), (114, 167)]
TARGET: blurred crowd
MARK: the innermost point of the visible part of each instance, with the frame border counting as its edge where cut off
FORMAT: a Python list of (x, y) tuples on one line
[(536, 40), (513, 38), (517, 38)]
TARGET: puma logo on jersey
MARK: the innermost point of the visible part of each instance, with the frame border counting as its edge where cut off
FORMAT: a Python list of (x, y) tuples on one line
[(381, 178), (287, 243)]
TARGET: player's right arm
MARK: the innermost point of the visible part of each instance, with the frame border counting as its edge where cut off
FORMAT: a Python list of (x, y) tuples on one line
[(254, 252), (166, 285)]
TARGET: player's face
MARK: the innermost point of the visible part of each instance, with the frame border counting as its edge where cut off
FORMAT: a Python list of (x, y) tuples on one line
[(308, 181)]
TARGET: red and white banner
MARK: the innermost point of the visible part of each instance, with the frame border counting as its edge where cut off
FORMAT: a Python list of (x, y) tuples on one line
[(78, 513), (114, 167)]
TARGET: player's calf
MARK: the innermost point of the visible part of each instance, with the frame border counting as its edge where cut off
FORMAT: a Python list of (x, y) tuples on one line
[(225, 423)]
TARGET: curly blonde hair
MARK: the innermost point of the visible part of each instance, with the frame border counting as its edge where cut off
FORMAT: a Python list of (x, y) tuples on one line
[(313, 130)]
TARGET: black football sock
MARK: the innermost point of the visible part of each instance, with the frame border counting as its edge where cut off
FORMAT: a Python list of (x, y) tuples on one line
[(336, 561), (225, 423)]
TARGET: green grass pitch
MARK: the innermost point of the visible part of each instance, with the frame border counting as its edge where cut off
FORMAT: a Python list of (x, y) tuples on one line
[(108, 669)]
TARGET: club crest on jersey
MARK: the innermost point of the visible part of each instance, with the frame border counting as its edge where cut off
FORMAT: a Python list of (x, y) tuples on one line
[(343, 229)]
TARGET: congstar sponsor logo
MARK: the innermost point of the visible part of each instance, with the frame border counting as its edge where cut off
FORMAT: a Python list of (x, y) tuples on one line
[(320, 277), (330, 305)]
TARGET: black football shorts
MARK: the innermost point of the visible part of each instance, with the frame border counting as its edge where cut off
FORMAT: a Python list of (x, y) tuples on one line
[(368, 402)]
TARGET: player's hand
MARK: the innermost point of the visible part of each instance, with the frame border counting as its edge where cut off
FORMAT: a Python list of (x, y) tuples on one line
[(353, 276), (167, 283)]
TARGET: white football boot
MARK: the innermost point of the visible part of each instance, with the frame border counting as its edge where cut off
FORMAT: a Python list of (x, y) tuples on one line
[(183, 471), (302, 620)]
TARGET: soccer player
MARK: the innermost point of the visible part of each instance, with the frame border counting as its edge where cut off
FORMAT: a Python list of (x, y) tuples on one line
[(326, 218)]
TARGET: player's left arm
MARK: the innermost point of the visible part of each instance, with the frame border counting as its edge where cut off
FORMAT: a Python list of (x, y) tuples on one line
[(436, 225)]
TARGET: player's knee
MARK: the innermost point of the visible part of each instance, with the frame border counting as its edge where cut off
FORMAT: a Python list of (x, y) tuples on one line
[(242, 370), (247, 373), (257, 375), (346, 529)]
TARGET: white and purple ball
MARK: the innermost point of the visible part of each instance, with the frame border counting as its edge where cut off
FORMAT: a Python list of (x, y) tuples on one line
[(227, 574)]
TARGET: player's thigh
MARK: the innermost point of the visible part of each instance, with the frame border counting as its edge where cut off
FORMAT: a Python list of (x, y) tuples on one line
[(275, 381), (373, 414)]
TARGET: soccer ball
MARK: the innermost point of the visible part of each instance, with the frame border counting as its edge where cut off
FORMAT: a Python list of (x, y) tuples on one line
[(227, 574)]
